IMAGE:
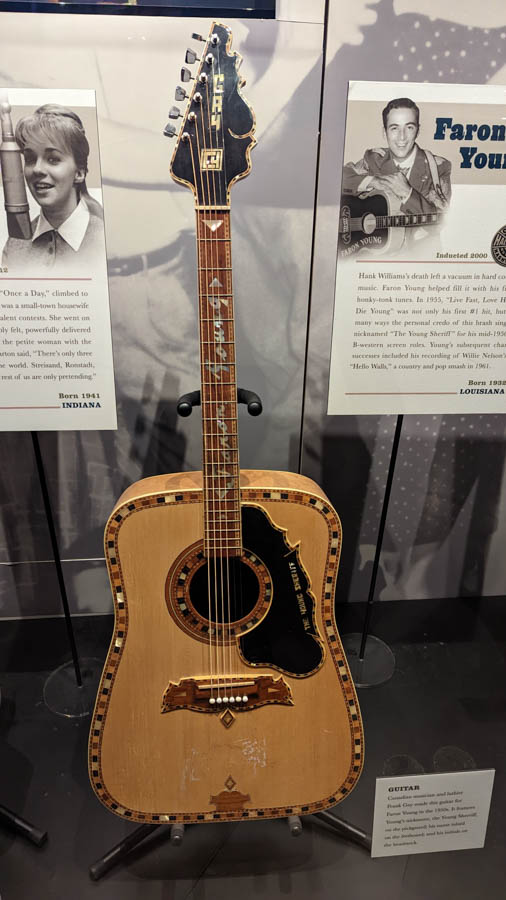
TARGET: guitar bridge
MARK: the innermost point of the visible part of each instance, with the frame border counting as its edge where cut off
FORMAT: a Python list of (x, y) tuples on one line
[(235, 693)]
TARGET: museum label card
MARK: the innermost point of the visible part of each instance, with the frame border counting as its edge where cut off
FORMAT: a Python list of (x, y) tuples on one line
[(431, 813), (420, 298), (56, 365)]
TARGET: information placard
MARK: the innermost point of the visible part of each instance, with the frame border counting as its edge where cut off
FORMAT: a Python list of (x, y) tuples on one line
[(420, 303), (431, 813), (56, 367)]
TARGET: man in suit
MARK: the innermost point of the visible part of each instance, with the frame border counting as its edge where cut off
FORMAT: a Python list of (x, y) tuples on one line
[(419, 180)]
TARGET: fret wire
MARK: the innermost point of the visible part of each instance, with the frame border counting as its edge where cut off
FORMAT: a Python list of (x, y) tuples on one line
[(231, 519), (231, 530), (213, 552)]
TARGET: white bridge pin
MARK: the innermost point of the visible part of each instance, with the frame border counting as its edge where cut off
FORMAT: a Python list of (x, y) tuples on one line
[(238, 699), (231, 699), (212, 700), (245, 699), (225, 699), (218, 699)]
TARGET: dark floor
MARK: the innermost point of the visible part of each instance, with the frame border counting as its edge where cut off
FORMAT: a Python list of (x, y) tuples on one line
[(448, 691)]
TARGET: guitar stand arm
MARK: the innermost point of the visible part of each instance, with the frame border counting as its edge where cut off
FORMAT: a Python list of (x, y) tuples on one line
[(186, 402)]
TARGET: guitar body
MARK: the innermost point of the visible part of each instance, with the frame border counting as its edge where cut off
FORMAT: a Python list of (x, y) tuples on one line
[(291, 742), (361, 228)]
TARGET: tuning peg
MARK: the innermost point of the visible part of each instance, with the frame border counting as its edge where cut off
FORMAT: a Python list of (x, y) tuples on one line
[(186, 75), (191, 57), (180, 94), (174, 113), (169, 130), (198, 37)]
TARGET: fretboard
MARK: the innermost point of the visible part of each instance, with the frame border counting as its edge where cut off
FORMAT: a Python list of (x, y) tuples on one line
[(400, 220), (406, 220), (222, 510)]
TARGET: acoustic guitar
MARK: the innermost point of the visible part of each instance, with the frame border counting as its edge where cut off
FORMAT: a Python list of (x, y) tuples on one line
[(226, 694), (373, 222)]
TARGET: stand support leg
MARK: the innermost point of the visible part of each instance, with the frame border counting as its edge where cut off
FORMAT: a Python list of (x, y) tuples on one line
[(118, 853), (21, 826), (381, 531), (56, 556), (345, 829)]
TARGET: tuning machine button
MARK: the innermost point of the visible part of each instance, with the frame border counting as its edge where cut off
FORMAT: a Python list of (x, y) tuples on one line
[(180, 94), (174, 113), (186, 75), (198, 37), (169, 130), (191, 57)]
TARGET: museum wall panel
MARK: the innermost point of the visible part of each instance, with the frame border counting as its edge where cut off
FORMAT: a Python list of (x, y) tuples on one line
[(446, 516)]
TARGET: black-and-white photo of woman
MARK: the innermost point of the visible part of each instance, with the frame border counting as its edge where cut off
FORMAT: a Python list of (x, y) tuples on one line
[(68, 233)]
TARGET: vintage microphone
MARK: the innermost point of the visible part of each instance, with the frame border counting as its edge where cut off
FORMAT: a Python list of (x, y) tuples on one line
[(11, 166)]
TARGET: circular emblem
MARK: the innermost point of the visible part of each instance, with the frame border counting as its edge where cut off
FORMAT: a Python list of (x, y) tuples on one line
[(498, 248)]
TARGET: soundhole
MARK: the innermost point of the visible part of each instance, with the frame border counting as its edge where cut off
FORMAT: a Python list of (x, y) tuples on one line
[(217, 599), (369, 223), (226, 588)]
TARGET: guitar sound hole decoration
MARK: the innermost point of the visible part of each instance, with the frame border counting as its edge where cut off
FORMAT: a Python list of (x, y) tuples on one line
[(218, 601), (261, 599)]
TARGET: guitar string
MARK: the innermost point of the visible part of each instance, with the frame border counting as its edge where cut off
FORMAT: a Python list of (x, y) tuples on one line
[(218, 397), (215, 510), (236, 522), (203, 303), (237, 570), (215, 401), (221, 387), (232, 388)]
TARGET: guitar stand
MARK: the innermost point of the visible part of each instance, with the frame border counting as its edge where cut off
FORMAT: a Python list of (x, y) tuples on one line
[(186, 403), (117, 854)]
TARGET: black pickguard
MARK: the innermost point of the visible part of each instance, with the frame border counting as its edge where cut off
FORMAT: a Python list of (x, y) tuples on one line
[(286, 637)]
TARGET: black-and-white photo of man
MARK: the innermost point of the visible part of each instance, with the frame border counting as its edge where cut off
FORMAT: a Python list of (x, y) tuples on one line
[(419, 180)]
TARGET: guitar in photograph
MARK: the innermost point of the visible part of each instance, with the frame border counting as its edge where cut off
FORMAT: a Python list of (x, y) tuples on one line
[(226, 694), (373, 222)]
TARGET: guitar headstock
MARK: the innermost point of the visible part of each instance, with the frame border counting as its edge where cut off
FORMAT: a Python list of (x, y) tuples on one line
[(216, 135)]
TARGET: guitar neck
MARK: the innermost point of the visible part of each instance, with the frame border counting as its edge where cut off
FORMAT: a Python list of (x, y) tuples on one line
[(406, 220), (222, 510)]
